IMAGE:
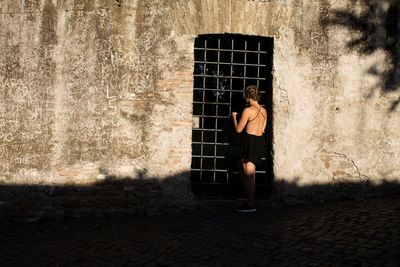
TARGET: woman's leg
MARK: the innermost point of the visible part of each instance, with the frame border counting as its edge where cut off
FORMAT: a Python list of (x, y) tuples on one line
[(242, 176), (249, 170)]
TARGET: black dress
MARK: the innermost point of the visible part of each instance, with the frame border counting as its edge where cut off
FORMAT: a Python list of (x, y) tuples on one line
[(253, 148)]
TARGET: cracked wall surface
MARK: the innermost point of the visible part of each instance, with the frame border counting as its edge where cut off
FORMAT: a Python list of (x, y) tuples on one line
[(92, 89)]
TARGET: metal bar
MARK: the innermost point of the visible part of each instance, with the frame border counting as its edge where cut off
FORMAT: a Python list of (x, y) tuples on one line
[(245, 62), (210, 143), (202, 109), (227, 90), (230, 82), (211, 157), (212, 130), (230, 50), (216, 109), (219, 117), (231, 64), (230, 93), (258, 62), (232, 77), (208, 157), (222, 170), (224, 184)]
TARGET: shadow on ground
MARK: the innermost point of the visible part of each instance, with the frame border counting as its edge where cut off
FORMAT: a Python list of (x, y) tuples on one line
[(115, 197), (344, 233)]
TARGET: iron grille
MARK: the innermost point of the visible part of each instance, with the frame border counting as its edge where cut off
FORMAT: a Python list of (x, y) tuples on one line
[(224, 66)]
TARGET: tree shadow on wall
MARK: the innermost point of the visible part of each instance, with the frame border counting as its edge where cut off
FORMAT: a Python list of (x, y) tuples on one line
[(375, 25)]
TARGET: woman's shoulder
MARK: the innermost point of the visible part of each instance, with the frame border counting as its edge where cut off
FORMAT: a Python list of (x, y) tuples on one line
[(248, 109), (263, 108)]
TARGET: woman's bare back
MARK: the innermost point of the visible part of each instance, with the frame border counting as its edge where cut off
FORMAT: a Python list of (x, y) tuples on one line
[(257, 120)]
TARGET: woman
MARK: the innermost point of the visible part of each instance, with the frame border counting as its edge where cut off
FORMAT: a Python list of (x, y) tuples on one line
[(254, 120)]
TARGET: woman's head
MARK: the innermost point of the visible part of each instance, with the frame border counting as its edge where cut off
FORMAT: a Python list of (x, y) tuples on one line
[(252, 92)]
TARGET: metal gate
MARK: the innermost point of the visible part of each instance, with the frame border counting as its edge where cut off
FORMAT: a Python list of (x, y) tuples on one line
[(224, 65)]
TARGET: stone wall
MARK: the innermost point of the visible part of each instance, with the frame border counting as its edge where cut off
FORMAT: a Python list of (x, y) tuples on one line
[(95, 92)]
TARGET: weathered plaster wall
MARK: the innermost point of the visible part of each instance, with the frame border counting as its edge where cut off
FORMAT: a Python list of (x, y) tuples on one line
[(95, 97), (337, 122), (100, 90)]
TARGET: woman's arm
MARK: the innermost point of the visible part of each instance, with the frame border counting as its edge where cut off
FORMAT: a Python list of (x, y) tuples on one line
[(243, 120)]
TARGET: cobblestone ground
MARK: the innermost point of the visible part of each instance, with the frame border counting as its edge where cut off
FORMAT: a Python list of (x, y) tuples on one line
[(348, 233)]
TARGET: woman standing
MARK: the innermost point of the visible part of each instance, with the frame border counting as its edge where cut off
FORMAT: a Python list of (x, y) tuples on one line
[(254, 121)]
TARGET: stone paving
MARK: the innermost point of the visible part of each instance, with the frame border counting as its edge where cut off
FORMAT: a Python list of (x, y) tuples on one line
[(346, 233)]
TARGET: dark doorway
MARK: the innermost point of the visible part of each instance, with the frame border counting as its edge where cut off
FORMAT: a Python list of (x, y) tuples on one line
[(224, 65)]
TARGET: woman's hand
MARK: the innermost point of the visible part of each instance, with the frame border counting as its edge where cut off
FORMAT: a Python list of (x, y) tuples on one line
[(234, 114)]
